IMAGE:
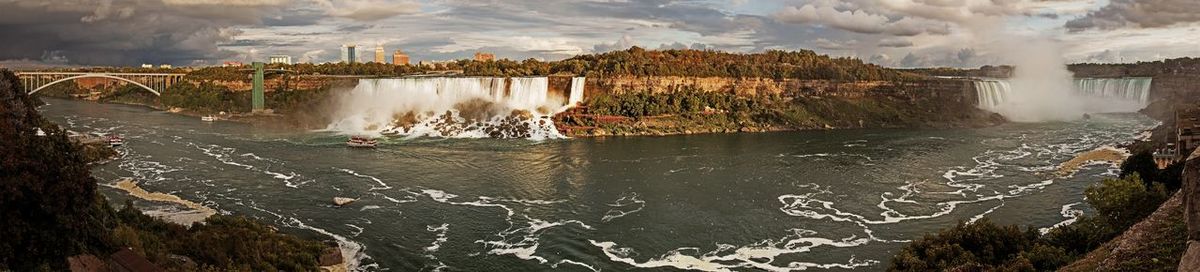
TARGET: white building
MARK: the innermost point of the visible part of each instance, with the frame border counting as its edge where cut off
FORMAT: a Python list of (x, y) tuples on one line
[(348, 54), (284, 59), (379, 57), (164, 66), (146, 65)]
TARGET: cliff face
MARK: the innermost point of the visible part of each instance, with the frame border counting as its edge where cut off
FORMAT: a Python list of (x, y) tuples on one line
[(957, 91), (784, 104), (1191, 205), (270, 84)]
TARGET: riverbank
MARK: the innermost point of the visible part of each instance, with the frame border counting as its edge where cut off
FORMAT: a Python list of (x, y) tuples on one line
[(68, 219)]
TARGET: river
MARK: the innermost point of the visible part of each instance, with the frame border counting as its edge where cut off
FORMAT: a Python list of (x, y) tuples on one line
[(835, 200)]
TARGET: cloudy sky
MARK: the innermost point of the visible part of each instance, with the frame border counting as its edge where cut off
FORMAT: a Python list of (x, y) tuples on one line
[(897, 33)]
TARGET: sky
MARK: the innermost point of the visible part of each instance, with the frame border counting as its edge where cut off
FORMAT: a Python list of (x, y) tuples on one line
[(893, 33)]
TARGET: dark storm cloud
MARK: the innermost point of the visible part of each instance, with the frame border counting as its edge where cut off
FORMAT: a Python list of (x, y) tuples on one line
[(123, 32), (1138, 13)]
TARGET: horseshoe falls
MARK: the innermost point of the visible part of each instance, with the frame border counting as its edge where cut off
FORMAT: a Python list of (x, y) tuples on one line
[(1097, 94), (453, 107), (1132, 88)]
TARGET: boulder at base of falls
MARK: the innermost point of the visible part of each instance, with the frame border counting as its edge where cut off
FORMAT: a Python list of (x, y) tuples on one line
[(342, 201)]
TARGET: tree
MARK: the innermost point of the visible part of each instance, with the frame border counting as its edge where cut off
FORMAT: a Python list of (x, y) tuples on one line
[(1142, 164), (1125, 201)]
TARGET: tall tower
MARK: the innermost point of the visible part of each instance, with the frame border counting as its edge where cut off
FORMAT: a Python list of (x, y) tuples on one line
[(399, 58), (348, 54), (379, 57)]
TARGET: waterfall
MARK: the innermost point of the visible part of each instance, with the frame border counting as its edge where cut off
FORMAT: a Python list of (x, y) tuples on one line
[(1130, 88), (1098, 94), (992, 93), (458, 107), (576, 95)]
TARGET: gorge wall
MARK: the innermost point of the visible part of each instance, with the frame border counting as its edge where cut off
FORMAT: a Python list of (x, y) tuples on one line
[(952, 91), (1191, 204)]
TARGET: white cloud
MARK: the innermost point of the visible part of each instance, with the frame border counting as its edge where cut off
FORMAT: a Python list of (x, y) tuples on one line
[(857, 21)]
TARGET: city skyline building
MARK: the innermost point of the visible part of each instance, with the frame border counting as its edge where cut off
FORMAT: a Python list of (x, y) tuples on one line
[(379, 54), (399, 57), (482, 56), (284, 59), (348, 53)]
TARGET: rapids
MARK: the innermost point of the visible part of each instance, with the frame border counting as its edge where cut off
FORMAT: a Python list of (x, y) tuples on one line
[(815, 200)]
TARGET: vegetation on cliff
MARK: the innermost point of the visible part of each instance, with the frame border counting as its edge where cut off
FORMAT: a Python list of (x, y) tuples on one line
[(776, 64), (1118, 204), (635, 61), (52, 210), (688, 109)]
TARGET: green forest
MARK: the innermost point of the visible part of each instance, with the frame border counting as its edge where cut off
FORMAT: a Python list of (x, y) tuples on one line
[(635, 61), (52, 210)]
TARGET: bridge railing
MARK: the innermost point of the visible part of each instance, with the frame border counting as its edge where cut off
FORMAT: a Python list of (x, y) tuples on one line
[(153, 82)]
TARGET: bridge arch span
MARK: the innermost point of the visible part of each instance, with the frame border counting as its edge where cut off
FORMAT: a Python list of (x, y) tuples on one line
[(143, 86)]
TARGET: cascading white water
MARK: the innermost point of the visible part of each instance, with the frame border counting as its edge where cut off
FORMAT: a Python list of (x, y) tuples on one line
[(466, 107), (576, 95), (1097, 94), (992, 93), (1130, 88)]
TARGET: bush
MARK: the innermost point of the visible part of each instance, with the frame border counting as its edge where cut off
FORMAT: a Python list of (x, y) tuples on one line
[(1142, 164), (1123, 202), (982, 244), (1119, 203)]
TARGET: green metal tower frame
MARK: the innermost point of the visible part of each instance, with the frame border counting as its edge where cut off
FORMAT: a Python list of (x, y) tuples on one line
[(259, 94)]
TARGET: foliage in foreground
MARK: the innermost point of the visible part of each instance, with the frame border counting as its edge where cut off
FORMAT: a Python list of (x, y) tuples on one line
[(984, 246), (51, 210), (220, 243)]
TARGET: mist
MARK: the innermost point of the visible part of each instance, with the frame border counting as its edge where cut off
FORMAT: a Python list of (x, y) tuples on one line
[(1042, 87)]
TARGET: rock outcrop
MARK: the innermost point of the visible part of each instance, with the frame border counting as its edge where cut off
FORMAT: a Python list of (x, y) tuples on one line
[(1191, 204)]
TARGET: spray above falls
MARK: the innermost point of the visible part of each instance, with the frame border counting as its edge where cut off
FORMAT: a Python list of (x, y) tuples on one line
[(1092, 95), (454, 107)]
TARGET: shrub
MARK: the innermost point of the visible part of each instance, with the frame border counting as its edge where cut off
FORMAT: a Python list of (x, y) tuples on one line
[(1123, 202), (977, 244)]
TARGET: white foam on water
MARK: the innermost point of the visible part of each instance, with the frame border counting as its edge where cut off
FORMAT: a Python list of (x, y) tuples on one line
[(354, 252), (369, 207), (760, 255), (1069, 212), (382, 185), (226, 156), (357, 230), (621, 207), (441, 236), (985, 213), (521, 238)]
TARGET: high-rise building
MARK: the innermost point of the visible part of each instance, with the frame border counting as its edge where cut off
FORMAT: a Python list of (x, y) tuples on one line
[(481, 56), (399, 58), (379, 57), (348, 54), (284, 59)]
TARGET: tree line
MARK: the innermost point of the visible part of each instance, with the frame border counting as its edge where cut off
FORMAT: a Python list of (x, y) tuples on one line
[(635, 61)]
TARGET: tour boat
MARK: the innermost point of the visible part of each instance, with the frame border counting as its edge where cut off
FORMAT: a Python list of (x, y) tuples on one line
[(361, 141), (208, 118), (114, 140)]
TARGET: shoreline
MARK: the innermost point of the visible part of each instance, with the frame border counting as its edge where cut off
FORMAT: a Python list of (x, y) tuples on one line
[(197, 212)]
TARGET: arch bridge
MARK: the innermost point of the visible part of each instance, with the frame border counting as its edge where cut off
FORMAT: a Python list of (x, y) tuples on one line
[(153, 82)]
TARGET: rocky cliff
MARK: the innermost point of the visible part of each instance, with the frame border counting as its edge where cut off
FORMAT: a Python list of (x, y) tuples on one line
[(1191, 205), (634, 105)]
